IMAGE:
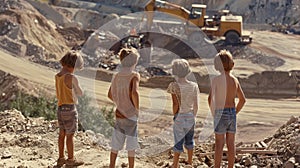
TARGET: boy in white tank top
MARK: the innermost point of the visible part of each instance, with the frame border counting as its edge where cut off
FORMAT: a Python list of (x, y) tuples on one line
[(124, 93)]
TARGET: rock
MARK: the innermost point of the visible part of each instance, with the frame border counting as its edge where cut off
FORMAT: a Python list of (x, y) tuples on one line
[(124, 165), (292, 120), (297, 157), (202, 166), (290, 163), (160, 163), (248, 162), (90, 133), (6, 155)]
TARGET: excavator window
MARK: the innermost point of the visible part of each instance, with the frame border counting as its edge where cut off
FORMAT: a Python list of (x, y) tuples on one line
[(196, 13)]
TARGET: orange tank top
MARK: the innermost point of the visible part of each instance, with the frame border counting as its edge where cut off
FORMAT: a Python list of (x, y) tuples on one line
[(64, 94)]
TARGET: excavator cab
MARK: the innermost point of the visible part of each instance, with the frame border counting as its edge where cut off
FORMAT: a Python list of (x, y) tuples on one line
[(197, 14)]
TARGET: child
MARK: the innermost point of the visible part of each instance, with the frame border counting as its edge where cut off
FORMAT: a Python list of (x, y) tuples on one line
[(221, 100), (185, 106), (67, 90), (124, 93)]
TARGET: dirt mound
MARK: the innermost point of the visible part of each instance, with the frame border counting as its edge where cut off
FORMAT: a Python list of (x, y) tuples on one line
[(286, 140), (11, 85), (280, 150), (25, 32), (32, 142), (29, 142)]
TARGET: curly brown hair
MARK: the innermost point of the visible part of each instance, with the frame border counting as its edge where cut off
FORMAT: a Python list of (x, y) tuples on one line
[(72, 59), (223, 61), (128, 57)]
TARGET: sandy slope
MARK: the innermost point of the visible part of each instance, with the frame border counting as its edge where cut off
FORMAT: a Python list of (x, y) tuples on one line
[(284, 46)]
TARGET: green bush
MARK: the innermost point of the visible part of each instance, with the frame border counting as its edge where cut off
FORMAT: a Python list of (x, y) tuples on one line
[(90, 117), (32, 106), (93, 118)]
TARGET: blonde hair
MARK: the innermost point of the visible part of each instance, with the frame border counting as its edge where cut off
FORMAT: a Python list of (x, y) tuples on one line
[(129, 57), (72, 59), (223, 61), (180, 68)]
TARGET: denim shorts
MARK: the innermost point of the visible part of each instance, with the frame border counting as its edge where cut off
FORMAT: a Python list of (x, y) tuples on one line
[(225, 121), (183, 129), (67, 117), (125, 129)]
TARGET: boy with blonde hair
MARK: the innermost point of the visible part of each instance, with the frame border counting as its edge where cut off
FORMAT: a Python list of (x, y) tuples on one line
[(224, 89), (185, 107), (67, 91), (124, 93)]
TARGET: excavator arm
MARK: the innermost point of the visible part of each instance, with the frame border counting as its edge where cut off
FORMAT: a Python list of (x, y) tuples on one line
[(166, 7)]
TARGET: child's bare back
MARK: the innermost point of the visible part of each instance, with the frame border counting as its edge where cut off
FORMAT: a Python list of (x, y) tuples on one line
[(224, 89), (227, 87)]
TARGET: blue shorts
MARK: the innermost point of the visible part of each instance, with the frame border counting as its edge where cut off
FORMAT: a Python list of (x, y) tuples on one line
[(225, 121), (183, 129)]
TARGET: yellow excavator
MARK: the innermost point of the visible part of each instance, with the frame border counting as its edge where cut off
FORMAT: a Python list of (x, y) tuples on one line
[(221, 24)]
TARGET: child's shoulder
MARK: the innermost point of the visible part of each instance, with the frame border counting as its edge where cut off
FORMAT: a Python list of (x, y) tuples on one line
[(234, 78), (216, 78), (135, 73), (193, 83), (173, 87), (172, 84)]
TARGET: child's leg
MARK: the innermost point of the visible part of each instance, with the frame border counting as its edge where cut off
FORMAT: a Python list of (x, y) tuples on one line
[(219, 149), (190, 156), (61, 143), (113, 157), (189, 144), (70, 146), (131, 155), (176, 159), (230, 138)]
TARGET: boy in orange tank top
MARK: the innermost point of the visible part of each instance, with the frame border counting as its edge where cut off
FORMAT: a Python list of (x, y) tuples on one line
[(67, 91)]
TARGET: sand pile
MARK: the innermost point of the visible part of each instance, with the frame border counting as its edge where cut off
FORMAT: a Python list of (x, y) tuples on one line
[(25, 32), (30, 142), (282, 150), (11, 86), (287, 142)]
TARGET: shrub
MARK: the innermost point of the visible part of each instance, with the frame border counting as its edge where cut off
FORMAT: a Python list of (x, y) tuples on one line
[(90, 117), (32, 106), (95, 119)]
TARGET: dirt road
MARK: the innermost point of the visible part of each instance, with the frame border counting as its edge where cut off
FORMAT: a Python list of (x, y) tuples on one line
[(285, 46)]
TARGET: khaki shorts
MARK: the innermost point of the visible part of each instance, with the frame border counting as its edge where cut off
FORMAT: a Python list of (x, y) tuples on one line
[(67, 117)]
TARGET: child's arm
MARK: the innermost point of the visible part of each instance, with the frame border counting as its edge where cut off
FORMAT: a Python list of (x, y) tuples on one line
[(135, 93), (195, 106), (210, 98), (109, 95), (77, 88), (242, 99), (72, 82), (175, 104)]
